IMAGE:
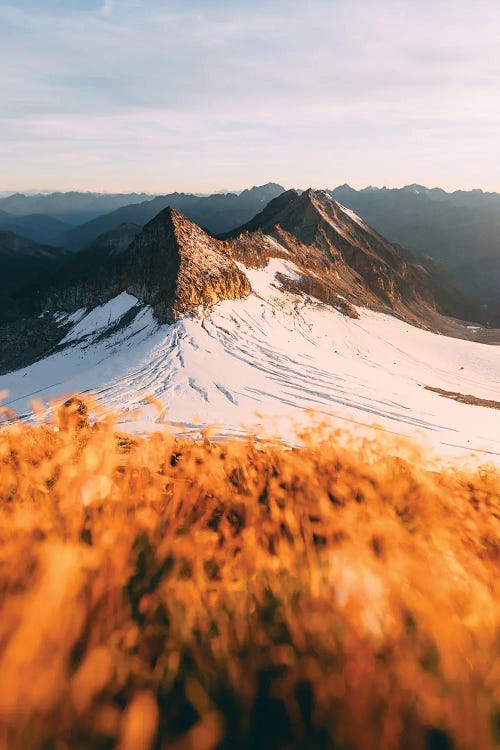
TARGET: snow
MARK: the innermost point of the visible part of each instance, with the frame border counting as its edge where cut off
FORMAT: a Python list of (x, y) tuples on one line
[(63, 318), (100, 317), (353, 216), (263, 280), (274, 241), (267, 362)]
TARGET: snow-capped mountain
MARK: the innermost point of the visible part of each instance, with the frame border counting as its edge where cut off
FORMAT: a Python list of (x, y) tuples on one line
[(305, 308)]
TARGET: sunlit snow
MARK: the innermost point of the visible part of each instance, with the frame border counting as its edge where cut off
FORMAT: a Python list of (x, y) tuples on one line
[(265, 359)]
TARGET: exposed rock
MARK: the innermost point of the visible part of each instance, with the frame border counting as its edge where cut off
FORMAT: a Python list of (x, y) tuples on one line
[(464, 398), (174, 266)]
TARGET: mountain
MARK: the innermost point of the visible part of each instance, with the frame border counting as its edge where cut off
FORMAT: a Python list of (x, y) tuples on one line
[(483, 276), (23, 263), (310, 310), (71, 207), (357, 261), (100, 238), (171, 265), (459, 229), (36, 227), (217, 213)]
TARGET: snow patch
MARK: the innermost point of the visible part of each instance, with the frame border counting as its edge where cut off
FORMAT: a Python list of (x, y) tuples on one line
[(353, 216), (100, 317), (263, 280), (278, 244)]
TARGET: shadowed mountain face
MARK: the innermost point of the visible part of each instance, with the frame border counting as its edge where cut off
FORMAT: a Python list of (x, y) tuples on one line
[(174, 266), (24, 262), (217, 213), (91, 262), (461, 229), (482, 277), (36, 227)]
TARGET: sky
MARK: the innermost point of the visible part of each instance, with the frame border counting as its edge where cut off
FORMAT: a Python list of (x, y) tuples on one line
[(201, 95)]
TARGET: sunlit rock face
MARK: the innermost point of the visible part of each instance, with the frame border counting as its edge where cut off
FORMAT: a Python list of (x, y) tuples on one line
[(175, 266)]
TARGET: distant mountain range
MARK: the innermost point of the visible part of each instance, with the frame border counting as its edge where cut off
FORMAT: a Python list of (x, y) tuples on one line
[(36, 227), (72, 207), (217, 213)]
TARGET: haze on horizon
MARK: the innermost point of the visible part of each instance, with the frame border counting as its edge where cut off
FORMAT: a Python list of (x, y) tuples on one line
[(155, 96)]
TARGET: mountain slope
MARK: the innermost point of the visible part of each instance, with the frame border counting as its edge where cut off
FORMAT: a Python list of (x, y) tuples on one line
[(93, 261), (218, 213), (23, 262), (174, 266), (346, 253), (457, 228), (36, 227), (483, 276), (298, 314)]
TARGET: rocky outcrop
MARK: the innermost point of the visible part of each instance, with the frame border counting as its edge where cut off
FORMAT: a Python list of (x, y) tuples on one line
[(174, 266)]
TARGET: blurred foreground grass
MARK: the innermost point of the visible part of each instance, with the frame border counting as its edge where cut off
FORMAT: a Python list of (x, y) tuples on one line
[(162, 593)]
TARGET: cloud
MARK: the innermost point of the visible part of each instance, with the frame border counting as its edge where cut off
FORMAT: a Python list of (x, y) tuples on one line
[(189, 94), (107, 8)]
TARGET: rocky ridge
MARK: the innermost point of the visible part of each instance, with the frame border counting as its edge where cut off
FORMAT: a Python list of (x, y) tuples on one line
[(341, 255)]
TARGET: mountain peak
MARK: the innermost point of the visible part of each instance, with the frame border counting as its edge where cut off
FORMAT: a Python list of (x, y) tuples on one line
[(317, 196), (415, 188), (344, 255), (174, 266), (267, 216), (168, 216), (268, 186)]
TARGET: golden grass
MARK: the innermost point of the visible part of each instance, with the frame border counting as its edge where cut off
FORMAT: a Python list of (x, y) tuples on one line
[(162, 593)]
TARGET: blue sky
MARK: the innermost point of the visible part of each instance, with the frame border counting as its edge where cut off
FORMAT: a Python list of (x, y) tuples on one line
[(199, 95)]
